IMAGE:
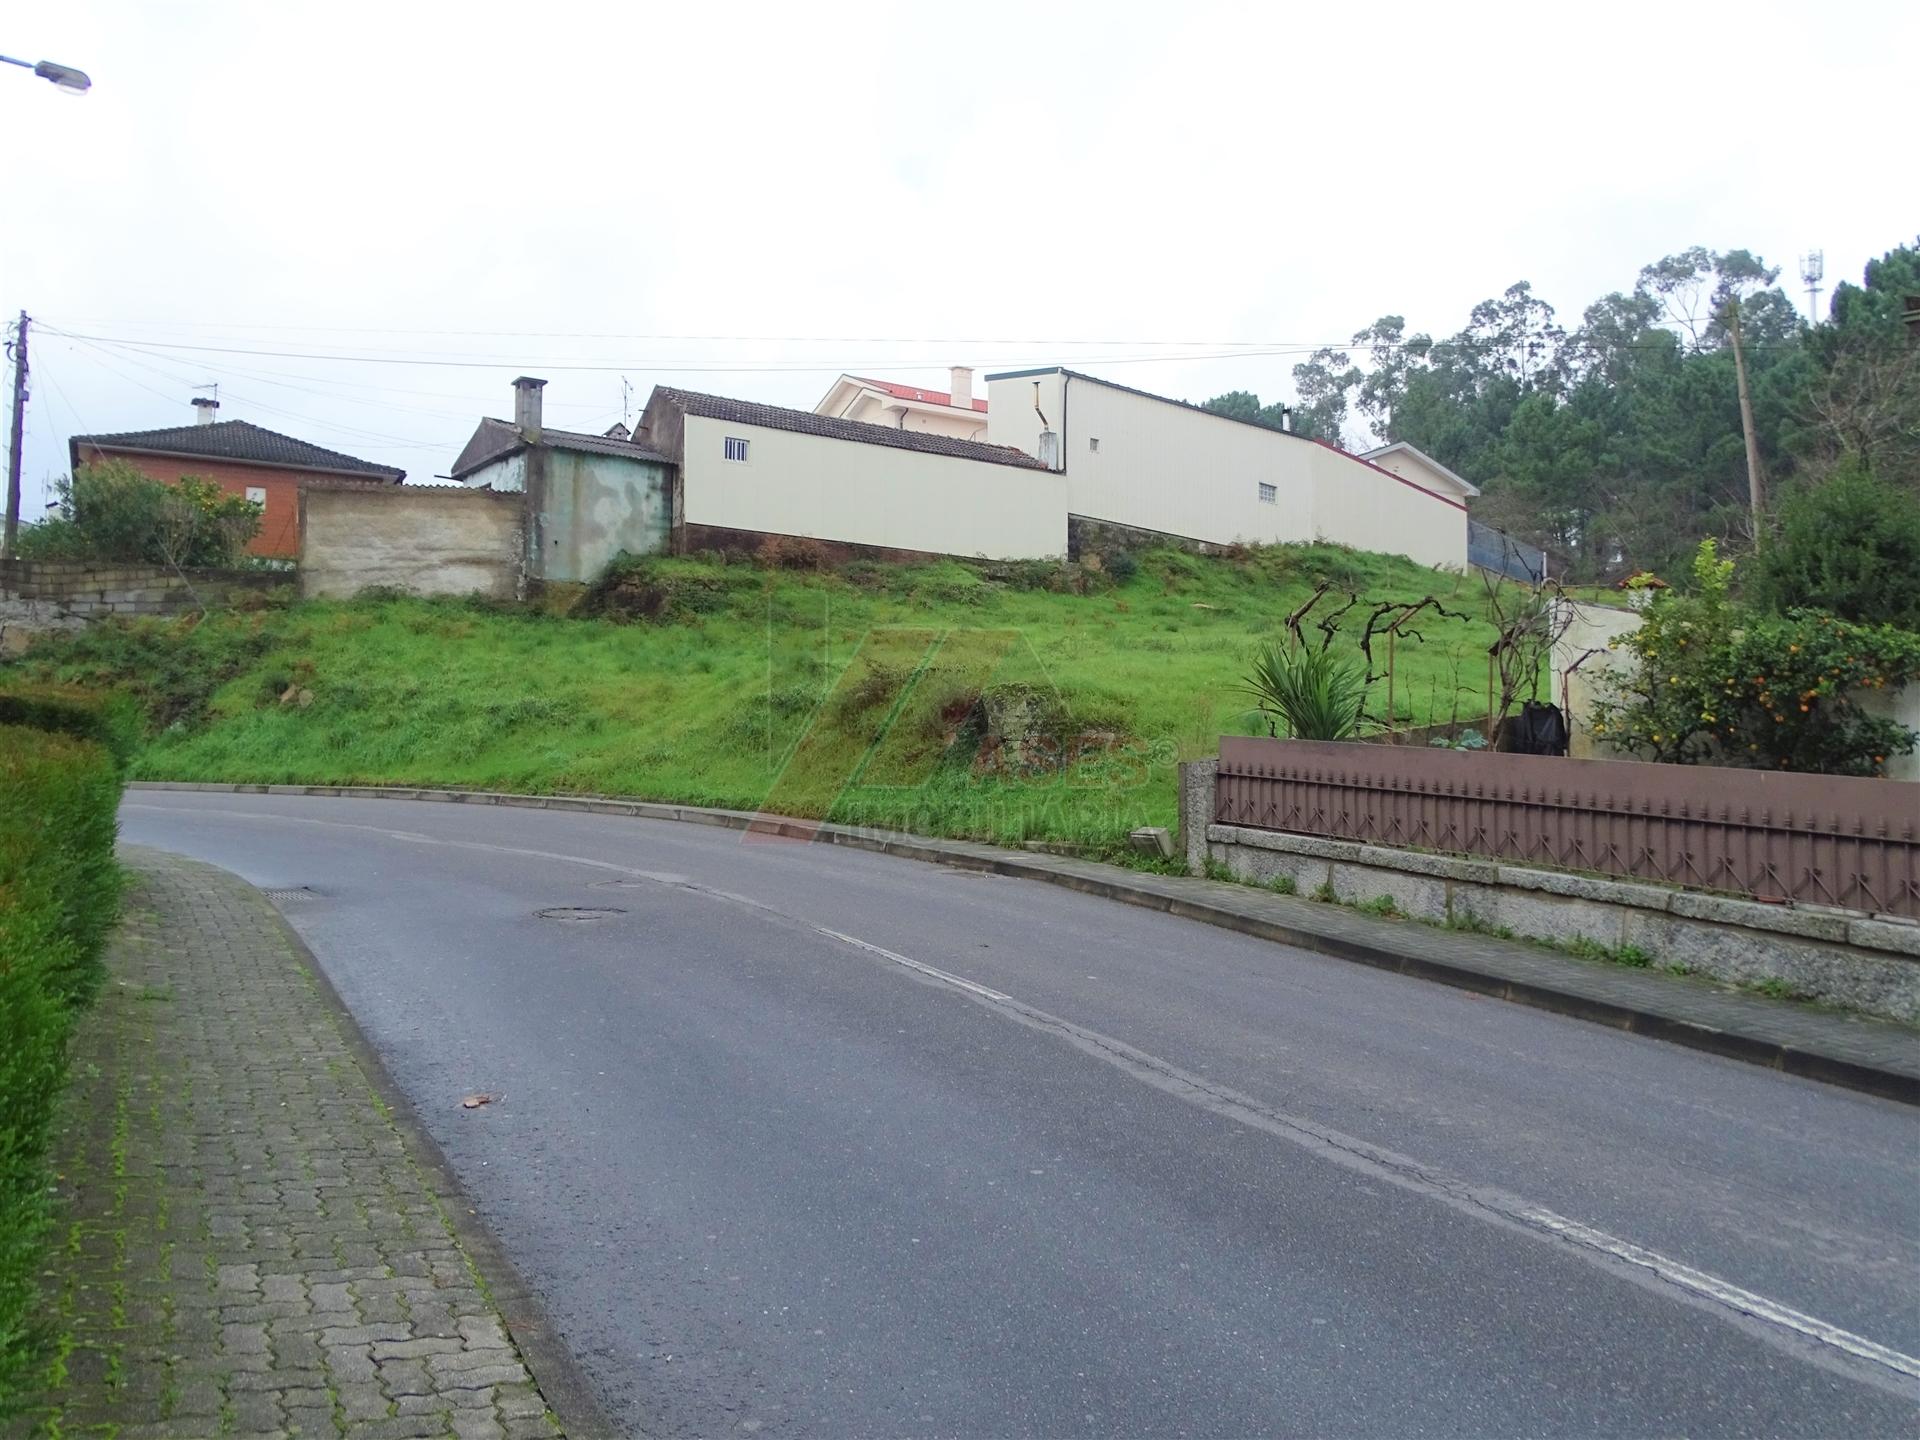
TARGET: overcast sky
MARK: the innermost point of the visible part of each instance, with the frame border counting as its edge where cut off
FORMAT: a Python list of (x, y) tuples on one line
[(1131, 188)]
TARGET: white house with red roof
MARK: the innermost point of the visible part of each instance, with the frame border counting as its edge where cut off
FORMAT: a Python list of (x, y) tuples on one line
[(953, 412)]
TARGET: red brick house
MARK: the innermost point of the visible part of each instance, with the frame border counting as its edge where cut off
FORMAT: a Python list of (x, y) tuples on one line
[(242, 459)]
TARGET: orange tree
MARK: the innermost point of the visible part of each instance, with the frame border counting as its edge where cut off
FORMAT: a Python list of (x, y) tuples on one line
[(1717, 683)]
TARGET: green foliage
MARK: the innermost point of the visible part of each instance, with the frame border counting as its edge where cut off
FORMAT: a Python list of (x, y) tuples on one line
[(1616, 443), (59, 889), (111, 512), (1316, 694), (1718, 683), (707, 702), (1850, 546), (107, 718), (170, 669)]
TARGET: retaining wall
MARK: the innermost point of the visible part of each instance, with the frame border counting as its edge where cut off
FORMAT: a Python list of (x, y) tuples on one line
[(42, 596), (1869, 963)]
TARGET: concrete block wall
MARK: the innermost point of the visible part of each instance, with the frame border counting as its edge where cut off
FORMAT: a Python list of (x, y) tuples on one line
[(425, 540), (40, 597)]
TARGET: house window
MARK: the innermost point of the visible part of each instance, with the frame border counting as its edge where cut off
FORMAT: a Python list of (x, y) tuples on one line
[(1268, 495), (1093, 442), (736, 449), (257, 494)]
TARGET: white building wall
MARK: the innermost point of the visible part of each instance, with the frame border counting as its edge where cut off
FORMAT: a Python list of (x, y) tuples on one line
[(1171, 468), (875, 409), (1358, 504), (1011, 416), (1163, 467), (809, 485)]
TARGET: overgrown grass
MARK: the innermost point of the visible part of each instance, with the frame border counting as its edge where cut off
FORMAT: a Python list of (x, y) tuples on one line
[(850, 694), (59, 889)]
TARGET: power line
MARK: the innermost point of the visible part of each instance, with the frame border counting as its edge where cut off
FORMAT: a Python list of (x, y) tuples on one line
[(808, 367)]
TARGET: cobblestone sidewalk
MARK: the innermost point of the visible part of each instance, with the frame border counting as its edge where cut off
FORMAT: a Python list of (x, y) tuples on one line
[(249, 1245)]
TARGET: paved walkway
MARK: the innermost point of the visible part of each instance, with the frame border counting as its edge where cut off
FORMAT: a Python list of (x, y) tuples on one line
[(252, 1242)]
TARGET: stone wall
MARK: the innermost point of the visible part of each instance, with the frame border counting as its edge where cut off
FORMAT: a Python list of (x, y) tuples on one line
[(1863, 962), (425, 540), (43, 596), (1103, 537)]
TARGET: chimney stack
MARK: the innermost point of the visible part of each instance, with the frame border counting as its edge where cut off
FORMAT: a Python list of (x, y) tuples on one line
[(204, 408), (1286, 418), (961, 386), (526, 407)]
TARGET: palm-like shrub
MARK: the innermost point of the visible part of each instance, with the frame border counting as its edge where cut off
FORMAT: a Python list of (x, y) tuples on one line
[(1314, 693)]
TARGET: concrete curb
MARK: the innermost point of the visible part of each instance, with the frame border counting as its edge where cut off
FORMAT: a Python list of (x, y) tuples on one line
[(557, 1374), (1184, 899)]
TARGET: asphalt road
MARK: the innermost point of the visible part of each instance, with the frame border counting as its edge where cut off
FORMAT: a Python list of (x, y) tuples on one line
[(1105, 1173)]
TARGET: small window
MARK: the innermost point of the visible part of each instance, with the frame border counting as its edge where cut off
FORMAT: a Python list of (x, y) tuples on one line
[(257, 494), (1268, 495), (736, 449), (1093, 442)]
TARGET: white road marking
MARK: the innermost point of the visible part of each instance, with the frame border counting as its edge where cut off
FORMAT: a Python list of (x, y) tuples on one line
[(1714, 1288), (1486, 1203), (925, 969)]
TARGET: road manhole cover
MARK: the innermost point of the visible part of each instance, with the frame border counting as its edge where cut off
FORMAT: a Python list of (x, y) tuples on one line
[(578, 914)]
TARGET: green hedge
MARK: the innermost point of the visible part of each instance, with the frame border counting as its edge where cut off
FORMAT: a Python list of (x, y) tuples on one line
[(59, 893), (105, 716)]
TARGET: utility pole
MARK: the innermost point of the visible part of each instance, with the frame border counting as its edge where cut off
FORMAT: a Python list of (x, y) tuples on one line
[(18, 349), (1756, 485)]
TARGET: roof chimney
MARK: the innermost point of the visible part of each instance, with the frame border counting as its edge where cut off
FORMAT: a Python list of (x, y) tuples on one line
[(1286, 418), (204, 408), (526, 407), (961, 386)]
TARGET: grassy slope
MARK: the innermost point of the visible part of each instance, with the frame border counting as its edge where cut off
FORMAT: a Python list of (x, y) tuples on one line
[(710, 706)]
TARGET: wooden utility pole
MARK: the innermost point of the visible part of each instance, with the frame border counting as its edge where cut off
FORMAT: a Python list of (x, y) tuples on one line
[(19, 352), (1756, 483)]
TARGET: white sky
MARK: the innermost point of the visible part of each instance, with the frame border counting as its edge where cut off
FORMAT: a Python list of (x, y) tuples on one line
[(995, 184)]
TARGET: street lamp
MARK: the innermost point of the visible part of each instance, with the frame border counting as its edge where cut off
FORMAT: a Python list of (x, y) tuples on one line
[(70, 80)]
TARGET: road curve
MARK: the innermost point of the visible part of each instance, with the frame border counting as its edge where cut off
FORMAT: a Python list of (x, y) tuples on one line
[(802, 1140)]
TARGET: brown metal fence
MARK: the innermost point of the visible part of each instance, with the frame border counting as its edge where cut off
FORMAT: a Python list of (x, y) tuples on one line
[(1816, 839)]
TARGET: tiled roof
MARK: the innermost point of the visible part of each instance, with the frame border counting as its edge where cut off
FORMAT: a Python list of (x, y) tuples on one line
[(805, 422), (236, 440), (496, 438), (915, 392)]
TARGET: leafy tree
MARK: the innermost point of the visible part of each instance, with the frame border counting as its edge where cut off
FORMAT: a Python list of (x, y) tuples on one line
[(1849, 545), (1616, 444), (112, 512), (1862, 393), (1716, 683)]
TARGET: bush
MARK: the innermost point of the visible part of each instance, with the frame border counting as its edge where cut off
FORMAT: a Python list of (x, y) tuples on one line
[(1719, 684), (112, 512), (170, 668), (1850, 546), (791, 552), (1314, 693), (59, 889), (108, 719), (645, 587)]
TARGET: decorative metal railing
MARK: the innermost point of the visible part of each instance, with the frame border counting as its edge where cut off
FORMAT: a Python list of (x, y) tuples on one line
[(1813, 839)]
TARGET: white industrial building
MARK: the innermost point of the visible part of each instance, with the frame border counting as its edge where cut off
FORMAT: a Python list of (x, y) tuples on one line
[(1167, 468), (1068, 462)]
